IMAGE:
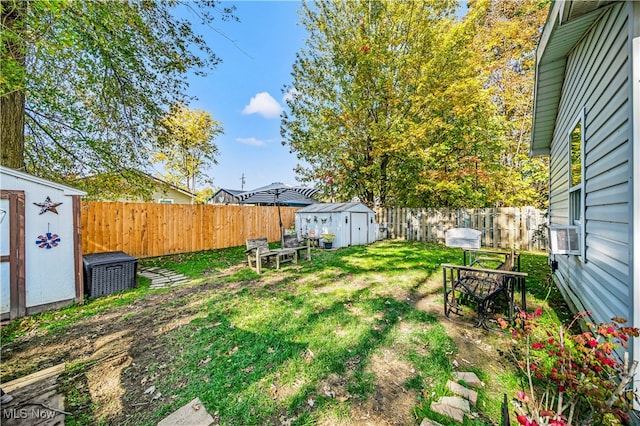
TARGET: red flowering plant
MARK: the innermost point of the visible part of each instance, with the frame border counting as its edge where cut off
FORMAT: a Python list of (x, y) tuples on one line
[(572, 378)]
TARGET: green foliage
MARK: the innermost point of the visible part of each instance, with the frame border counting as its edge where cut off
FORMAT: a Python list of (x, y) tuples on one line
[(98, 77), (405, 104), (506, 44), (184, 145)]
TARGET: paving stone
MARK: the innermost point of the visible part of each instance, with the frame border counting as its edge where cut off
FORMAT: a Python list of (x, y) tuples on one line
[(191, 414), (469, 378), (453, 407), (456, 402), (161, 278), (458, 389), (429, 422)]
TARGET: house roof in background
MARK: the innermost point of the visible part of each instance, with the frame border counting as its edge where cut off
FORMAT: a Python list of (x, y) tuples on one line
[(170, 185), (566, 23), (232, 192)]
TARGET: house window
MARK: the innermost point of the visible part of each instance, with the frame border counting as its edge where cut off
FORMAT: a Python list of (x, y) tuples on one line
[(576, 178), (165, 201)]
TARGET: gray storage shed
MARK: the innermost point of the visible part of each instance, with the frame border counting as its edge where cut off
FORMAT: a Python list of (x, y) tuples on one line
[(352, 223)]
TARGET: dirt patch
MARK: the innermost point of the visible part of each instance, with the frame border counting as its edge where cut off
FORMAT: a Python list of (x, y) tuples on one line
[(389, 404), (106, 388)]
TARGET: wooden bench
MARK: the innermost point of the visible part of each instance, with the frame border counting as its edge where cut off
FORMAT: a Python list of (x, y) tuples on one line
[(292, 242), (258, 250), (470, 284)]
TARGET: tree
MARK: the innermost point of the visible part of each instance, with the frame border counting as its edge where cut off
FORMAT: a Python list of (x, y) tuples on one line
[(406, 104), (382, 98), (90, 79), (507, 41), (202, 195), (184, 144)]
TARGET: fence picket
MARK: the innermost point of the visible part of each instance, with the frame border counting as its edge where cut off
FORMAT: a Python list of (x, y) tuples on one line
[(503, 227)]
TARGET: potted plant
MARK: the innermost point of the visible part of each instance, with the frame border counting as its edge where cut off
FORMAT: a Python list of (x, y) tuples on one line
[(328, 239)]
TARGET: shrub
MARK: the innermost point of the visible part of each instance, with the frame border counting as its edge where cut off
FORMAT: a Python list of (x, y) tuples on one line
[(572, 378)]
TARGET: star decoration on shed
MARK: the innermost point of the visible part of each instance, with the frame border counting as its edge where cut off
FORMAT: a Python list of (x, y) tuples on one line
[(48, 206)]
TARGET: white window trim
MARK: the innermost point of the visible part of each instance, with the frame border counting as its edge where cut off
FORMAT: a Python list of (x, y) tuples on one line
[(581, 186)]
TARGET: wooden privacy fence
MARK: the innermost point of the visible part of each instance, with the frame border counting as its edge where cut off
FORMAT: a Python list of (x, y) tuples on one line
[(504, 227), (149, 229)]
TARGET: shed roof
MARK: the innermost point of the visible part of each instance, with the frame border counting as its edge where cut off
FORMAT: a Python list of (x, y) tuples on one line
[(566, 24), (40, 181), (334, 207)]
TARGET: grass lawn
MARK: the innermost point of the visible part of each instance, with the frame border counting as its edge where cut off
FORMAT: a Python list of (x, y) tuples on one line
[(356, 335)]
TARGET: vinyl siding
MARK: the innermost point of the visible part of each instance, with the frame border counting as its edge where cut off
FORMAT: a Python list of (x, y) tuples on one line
[(597, 79)]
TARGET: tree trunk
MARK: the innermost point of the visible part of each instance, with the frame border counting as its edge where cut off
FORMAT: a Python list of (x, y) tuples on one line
[(13, 98)]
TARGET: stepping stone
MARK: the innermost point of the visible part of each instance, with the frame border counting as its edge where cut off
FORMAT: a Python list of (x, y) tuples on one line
[(469, 378), (429, 422), (191, 414), (458, 389), (161, 278), (453, 407)]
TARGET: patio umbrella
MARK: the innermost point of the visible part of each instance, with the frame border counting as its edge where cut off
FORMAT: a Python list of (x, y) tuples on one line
[(279, 193)]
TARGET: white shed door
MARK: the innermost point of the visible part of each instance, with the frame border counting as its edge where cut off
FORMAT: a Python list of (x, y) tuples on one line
[(359, 229)]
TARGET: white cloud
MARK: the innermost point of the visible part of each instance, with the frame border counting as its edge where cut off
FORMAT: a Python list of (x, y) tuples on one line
[(251, 141), (263, 104)]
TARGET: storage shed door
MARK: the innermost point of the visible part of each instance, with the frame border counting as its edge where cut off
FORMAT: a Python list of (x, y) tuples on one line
[(359, 229), (12, 290)]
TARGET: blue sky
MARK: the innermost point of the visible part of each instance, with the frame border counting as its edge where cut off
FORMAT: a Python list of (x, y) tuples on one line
[(244, 92)]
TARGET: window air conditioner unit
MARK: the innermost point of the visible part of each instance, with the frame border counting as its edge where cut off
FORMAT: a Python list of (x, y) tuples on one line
[(565, 240)]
